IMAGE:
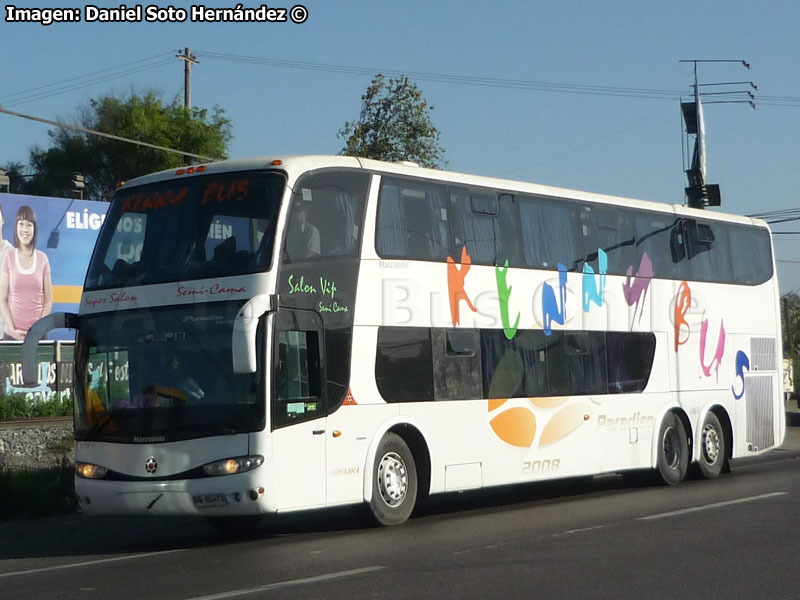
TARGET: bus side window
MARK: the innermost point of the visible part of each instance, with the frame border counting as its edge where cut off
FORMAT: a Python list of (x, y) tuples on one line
[(708, 251), (656, 236), (610, 230), (548, 233), (412, 221), (507, 234), (404, 364), (456, 364), (629, 360), (472, 221), (751, 255)]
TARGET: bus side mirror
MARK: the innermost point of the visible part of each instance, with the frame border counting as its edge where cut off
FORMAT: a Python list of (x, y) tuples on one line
[(35, 334), (243, 344)]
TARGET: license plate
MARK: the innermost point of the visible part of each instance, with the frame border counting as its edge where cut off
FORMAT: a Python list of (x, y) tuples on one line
[(208, 500)]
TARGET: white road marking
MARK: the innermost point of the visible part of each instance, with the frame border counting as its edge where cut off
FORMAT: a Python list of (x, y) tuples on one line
[(87, 563), (710, 506), (584, 529), (289, 583)]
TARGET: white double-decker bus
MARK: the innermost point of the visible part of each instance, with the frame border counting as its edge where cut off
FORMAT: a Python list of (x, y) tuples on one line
[(264, 336)]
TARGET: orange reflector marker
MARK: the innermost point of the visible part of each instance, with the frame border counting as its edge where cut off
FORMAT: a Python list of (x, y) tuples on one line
[(276, 163), (337, 433), (190, 170), (180, 171), (201, 168), (348, 399)]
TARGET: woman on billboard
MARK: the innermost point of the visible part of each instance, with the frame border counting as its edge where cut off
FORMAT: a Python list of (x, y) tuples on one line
[(26, 288)]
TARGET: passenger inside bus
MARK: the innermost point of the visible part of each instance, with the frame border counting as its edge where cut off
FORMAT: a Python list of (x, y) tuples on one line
[(302, 239)]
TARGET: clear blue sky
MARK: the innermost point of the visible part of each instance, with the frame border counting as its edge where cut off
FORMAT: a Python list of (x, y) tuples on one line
[(627, 146)]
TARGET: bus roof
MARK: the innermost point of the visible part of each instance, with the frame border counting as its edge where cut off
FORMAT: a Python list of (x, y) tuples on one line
[(294, 165)]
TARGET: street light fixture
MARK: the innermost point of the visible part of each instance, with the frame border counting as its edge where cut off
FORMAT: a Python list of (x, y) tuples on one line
[(78, 185)]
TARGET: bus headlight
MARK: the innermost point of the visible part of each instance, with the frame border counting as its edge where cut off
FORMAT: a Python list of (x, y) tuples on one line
[(90, 471), (229, 466)]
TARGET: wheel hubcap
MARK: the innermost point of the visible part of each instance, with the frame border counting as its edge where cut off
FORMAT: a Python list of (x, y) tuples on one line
[(670, 447), (711, 444), (392, 479)]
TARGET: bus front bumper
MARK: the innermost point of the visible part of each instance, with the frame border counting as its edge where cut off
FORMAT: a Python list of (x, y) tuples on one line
[(232, 495)]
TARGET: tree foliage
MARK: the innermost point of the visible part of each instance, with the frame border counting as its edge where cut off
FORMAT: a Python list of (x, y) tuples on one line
[(790, 319), (105, 162), (395, 124)]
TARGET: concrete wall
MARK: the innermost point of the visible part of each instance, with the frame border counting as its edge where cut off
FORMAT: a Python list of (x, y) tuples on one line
[(36, 445)]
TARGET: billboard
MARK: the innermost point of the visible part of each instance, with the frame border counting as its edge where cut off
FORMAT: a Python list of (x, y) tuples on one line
[(66, 231)]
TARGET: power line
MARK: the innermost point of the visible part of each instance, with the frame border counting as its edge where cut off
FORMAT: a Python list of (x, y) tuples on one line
[(446, 78), (571, 88), (163, 59), (105, 135), (88, 79), (77, 77)]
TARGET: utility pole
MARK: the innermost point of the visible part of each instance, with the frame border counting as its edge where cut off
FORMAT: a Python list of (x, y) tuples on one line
[(188, 59)]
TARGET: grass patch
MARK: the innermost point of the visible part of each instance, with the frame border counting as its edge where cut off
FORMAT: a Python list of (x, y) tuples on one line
[(18, 406), (37, 493)]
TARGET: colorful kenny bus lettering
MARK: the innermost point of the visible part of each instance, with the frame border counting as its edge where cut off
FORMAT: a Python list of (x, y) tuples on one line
[(367, 332)]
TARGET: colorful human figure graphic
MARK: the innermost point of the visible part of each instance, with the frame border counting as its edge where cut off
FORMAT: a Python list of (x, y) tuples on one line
[(504, 292), (716, 360), (683, 302), (555, 309), (635, 288), (595, 286), (742, 364), (455, 284)]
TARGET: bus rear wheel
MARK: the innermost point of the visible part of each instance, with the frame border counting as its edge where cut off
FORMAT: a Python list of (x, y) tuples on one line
[(394, 482), (673, 450), (713, 450)]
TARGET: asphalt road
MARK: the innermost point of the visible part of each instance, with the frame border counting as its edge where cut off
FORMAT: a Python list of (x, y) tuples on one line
[(736, 537)]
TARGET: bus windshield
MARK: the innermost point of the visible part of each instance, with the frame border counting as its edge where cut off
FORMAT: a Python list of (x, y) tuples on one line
[(163, 375), (192, 228)]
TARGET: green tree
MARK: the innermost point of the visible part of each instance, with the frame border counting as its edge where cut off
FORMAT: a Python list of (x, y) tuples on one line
[(395, 124), (790, 320), (105, 162)]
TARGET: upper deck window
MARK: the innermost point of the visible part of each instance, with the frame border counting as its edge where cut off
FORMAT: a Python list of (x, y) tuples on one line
[(412, 221), (193, 228)]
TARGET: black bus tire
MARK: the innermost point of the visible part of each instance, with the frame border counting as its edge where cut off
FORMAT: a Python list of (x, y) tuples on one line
[(673, 450), (394, 482), (713, 449)]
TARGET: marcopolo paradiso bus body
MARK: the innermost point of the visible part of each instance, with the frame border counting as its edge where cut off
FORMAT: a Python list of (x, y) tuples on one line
[(265, 336)]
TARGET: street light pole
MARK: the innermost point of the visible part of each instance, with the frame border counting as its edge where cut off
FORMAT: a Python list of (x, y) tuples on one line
[(699, 193)]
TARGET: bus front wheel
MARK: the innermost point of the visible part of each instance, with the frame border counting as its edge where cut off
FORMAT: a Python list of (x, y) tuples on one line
[(394, 482), (673, 450)]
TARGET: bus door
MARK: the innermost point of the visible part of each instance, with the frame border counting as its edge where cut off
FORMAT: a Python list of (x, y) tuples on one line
[(298, 409)]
